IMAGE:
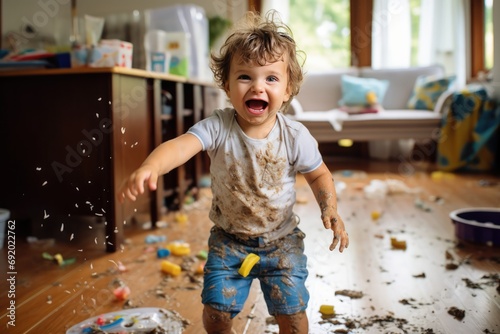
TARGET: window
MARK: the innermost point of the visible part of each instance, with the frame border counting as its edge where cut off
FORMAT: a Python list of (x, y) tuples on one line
[(321, 28), (333, 36), (415, 26), (488, 34)]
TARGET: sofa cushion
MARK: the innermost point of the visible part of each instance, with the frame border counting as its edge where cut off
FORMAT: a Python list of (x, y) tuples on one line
[(355, 90), (427, 91), (322, 91), (401, 82)]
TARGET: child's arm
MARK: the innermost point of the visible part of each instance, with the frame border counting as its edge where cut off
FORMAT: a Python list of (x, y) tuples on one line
[(163, 159), (321, 183)]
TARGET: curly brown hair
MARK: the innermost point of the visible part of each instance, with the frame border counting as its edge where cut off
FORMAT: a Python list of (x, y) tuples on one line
[(260, 40)]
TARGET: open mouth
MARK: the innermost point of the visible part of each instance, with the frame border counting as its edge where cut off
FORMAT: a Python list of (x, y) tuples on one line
[(256, 106)]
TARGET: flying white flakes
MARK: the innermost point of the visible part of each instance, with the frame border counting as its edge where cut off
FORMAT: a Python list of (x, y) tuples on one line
[(44, 183), (99, 99), (45, 215), (62, 227), (95, 240), (97, 115), (72, 236), (123, 130), (116, 229), (90, 227), (77, 189), (39, 168)]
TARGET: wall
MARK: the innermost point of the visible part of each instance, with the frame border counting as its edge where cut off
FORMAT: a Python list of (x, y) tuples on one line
[(36, 23), (51, 19), (224, 8)]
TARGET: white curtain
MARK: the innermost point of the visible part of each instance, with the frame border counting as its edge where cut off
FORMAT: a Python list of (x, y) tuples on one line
[(391, 34), (444, 37)]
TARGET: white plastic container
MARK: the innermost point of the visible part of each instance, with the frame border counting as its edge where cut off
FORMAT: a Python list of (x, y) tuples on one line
[(191, 20), (386, 149), (178, 47), (4, 216), (157, 55), (380, 149)]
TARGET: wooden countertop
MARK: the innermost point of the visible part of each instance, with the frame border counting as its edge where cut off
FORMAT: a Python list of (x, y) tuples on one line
[(91, 70)]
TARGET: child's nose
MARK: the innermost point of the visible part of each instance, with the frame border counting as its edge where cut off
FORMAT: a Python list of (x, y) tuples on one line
[(258, 86)]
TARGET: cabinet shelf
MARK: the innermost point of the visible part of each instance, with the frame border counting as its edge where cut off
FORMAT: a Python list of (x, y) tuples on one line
[(186, 104)]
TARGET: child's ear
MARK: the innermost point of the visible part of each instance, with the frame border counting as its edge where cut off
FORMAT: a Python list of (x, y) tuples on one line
[(287, 95)]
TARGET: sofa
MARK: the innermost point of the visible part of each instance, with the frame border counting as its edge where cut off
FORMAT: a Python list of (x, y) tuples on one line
[(317, 105)]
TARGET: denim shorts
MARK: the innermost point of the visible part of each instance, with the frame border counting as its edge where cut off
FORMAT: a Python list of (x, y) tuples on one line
[(282, 272)]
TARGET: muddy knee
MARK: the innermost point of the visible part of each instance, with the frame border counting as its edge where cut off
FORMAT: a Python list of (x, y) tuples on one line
[(216, 321), (293, 323)]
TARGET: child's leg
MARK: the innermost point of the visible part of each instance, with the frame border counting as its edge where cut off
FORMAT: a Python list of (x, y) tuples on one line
[(224, 289), (293, 324), (282, 279), (216, 321)]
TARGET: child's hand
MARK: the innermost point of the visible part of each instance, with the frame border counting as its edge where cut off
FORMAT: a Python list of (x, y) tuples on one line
[(134, 185), (331, 220)]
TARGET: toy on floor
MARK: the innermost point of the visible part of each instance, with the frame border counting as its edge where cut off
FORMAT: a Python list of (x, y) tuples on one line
[(138, 320)]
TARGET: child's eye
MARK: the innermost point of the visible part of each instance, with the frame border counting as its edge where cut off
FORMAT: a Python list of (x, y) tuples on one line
[(272, 79), (243, 77)]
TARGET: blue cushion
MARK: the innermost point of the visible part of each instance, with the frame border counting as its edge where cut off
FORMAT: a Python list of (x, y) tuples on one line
[(355, 89), (427, 91)]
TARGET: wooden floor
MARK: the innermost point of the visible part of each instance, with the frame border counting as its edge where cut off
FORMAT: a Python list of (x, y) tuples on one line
[(403, 291)]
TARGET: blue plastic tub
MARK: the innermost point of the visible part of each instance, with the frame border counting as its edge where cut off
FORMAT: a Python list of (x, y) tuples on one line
[(477, 225)]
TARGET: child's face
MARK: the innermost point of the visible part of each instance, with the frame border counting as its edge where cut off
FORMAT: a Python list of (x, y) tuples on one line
[(257, 92)]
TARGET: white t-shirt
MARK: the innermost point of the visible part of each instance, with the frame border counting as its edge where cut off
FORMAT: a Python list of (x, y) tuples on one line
[(253, 180)]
